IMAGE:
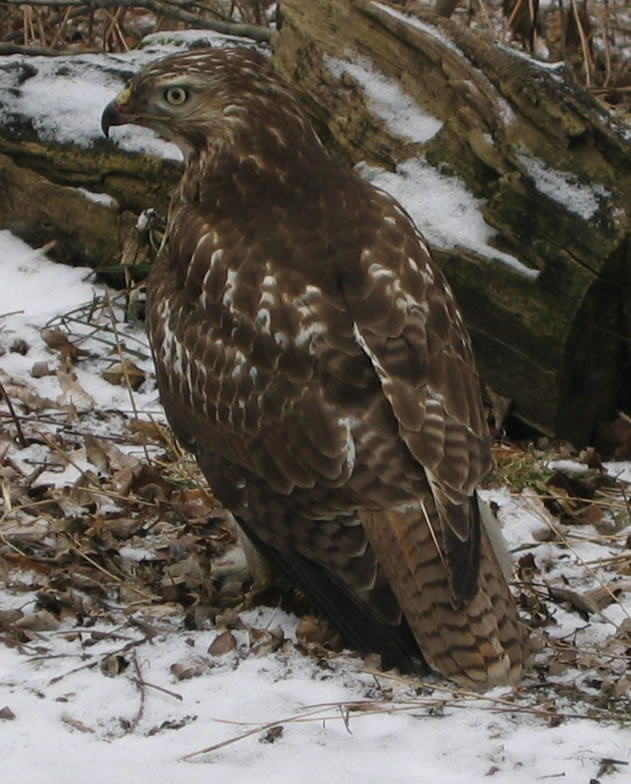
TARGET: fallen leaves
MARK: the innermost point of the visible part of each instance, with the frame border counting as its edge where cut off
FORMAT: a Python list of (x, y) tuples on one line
[(109, 527), (125, 373), (6, 714)]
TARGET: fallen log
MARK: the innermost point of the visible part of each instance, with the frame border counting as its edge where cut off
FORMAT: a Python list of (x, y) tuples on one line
[(550, 166), (546, 171)]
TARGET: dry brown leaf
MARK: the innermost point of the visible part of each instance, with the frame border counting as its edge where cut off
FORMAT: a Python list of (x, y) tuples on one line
[(9, 617), (191, 667), (622, 687), (123, 373), (80, 492), (590, 457), (75, 723), (272, 734), (41, 369), (123, 527), (29, 399), (119, 459), (114, 665), (73, 392), (222, 644), (580, 602), (318, 632), (6, 714), (96, 453), (229, 619), (55, 338), (40, 621), (604, 595), (592, 514), (265, 641), (19, 346), (151, 429)]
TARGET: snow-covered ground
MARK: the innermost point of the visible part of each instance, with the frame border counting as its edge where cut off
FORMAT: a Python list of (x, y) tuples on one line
[(108, 701)]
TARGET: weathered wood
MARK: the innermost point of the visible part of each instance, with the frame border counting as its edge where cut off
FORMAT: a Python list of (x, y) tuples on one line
[(45, 197), (557, 344)]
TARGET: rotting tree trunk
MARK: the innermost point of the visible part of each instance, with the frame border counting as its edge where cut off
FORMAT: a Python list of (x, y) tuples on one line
[(556, 343), (46, 187), (445, 7)]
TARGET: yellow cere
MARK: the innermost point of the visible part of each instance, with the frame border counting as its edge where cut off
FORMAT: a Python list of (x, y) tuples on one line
[(124, 97)]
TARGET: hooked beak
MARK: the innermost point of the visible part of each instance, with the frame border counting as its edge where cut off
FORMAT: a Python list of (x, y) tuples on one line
[(115, 113)]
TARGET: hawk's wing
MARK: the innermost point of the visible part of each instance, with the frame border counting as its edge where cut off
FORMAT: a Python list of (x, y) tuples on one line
[(406, 321), (261, 377), (311, 356)]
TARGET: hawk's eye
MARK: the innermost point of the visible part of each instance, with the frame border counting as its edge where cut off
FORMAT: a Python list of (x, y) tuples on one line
[(176, 96)]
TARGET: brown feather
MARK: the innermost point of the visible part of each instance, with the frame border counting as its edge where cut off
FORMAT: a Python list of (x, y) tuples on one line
[(311, 355)]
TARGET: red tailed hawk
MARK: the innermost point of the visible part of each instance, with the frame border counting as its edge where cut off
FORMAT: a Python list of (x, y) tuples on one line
[(311, 355)]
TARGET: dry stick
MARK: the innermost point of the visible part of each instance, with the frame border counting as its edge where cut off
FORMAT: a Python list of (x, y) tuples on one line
[(90, 490), (40, 25), (143, 682), (626, 499), (256, 32), (140, 685), (314, 712), (513, 15), (345, 711), (114, 30), (595, 652), (125, 370), (584, 48), (501, 705), (61, 28), (68, 430), (533, 24), (16, 421), (562, 538), (603, 21), (58, 450), (309, 713), (602, 90), (27, 13), (91, 664), (75, 547), (484, 11), (14, 547)]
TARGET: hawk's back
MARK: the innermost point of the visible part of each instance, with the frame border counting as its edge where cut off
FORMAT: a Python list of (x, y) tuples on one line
[(312, 356)]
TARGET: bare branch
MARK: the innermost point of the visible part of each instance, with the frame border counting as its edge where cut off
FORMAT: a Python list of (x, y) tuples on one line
[(169, 9), (42, 51)]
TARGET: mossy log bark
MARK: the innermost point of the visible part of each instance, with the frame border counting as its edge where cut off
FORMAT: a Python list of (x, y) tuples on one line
[(49, 194), (557, 344)]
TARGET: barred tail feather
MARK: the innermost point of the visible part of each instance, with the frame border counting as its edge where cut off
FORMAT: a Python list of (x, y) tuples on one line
[(478, 642)]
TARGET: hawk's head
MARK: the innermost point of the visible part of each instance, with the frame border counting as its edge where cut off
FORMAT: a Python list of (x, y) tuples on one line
[(201, 97)]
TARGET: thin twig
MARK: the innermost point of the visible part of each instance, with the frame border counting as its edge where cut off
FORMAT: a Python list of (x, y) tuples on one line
[(170, 693), (96, 661), (140, 685), (255, 32), (125, 371), (20, 435)]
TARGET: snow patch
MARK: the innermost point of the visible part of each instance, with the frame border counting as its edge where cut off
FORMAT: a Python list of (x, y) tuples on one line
[(563, 187), (36, 287), (412, 21), (386, 98), (99, 198), (65, 96), (444, 210)]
